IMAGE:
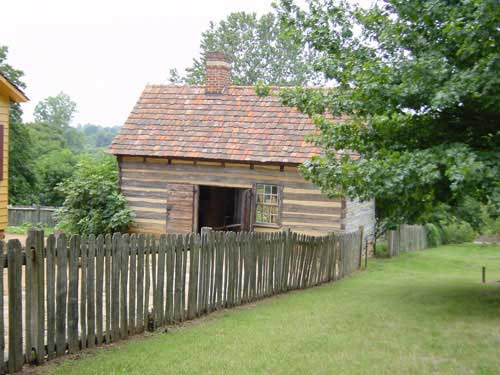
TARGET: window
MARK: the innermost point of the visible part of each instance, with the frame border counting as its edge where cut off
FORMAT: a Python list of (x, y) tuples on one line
[(267, 210)]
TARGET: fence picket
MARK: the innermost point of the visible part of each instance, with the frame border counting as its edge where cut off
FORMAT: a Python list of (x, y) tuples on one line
[(184, 253), (73, 254), (61, 296), (132, 284), (83, 291), (170, 254), (40, 296), (108, 253), (91, 337), (28, 298), (51, 296), (14, 255), (140, 283), (154, 288), (160, 310), (115, 287), (178, 278), (99, 272), (193, 279), (147, 279), (124, 254)]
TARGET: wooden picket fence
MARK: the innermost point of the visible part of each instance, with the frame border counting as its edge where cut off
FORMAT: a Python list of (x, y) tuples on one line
[(34, 215), (64, 294), (406, 238)]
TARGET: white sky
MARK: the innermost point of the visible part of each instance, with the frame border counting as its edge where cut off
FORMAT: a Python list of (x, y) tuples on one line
[(103, 52)]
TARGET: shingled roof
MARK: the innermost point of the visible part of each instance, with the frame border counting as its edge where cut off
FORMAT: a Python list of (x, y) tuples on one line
[(235, 125)]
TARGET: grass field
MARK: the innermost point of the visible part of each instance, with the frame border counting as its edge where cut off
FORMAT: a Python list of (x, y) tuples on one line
[(23, 229), (422, 313)]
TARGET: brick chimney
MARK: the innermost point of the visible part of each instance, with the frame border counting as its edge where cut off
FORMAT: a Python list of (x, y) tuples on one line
[(217, 73)]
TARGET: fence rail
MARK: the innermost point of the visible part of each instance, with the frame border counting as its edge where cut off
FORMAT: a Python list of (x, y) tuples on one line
[(406, 238), (67, 294), (20, 215)]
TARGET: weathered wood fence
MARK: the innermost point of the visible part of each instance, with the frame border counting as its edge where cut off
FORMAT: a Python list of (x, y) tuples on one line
[(406, 238), (67, 294), (20, 215)]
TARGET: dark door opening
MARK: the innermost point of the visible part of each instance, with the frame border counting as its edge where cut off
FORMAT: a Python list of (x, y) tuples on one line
[(224, 208)]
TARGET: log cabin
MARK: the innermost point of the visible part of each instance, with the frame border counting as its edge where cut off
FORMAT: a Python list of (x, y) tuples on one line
[(9, 93), (219, 155)]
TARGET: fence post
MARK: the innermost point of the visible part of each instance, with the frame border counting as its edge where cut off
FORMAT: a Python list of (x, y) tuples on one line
[(366, 253), (38, 214), (35, 255), (15, 362), (204, 234), (287, 248), (361, 230)]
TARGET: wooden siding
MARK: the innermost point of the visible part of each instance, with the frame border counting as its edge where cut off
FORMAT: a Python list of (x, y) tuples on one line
[(4, 121), (145, 181), (180, 208)]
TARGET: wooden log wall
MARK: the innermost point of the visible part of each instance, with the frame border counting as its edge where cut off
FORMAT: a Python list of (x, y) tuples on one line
[(86, 291), (145, 181)]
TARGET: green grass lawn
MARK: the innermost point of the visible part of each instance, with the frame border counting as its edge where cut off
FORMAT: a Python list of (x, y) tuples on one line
[(23, 229), (422, 313)]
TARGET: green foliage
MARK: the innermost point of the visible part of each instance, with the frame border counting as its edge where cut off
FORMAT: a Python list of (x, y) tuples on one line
[(23, 229), (96, 136), (15, 76), (92, 202), (490, 221), (420, 85), (53, 168), (382, 250), (434, 235), (58, 110), (259, 50), (262, 89), (457, 232), (22, 178), (174, 77)]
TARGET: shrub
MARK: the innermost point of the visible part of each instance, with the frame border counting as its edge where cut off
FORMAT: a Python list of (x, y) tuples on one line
[(434, 235), (92, 202), (457, 232), (491, 222), (382, 250)]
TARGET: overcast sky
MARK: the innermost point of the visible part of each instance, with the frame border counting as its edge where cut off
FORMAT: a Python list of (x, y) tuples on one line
[(103, 52)]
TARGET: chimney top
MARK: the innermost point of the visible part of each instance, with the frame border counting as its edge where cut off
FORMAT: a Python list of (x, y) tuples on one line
[(217, 73)]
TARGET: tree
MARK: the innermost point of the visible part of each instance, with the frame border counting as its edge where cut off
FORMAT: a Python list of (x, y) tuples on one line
[(22, 179), (174, 77), (258, 51), (53, 116), (53, 168), (58, 110), (419, 82), (92, 202)]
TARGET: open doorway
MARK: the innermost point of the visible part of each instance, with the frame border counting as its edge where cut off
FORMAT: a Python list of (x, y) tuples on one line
[(224, 208)]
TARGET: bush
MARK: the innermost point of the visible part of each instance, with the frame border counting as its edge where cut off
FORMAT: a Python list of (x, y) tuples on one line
[(92, 202), (382, 250), (434, 235), (491, 222), (457, 232)]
